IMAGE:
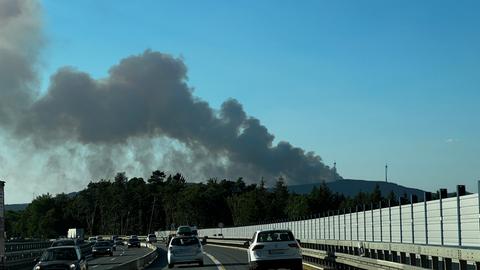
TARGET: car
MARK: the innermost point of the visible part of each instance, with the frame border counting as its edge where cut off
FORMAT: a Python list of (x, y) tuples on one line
[(62, 257), (102, 248), (184, 250), (151, 238), (114, 246), (92, 239), (133, 241), (184, 230), (65, 242), (119, 241), (274, 249)]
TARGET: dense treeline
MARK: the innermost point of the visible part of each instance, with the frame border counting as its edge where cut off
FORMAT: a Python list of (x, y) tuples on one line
[(135, 206)]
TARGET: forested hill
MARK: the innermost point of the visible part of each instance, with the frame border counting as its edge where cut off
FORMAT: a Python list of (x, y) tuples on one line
[(350, 187)]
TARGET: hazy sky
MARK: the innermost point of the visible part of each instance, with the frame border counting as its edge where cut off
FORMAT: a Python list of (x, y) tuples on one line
[(362, 83)]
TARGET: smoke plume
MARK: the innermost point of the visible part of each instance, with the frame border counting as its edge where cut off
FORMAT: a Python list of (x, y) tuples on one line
[(143, 116)]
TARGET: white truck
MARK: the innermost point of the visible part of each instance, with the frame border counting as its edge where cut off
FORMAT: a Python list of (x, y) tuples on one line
[(76, 233)]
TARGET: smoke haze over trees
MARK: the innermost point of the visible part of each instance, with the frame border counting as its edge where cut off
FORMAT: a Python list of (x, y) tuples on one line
[(142, 116), (126, 206)]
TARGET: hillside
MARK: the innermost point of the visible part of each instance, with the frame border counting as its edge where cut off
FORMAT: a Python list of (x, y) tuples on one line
[(350, 187)]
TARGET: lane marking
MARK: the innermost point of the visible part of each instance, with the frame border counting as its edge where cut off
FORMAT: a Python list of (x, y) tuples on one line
[(112, 259), (95, 266), (215, 261), (312, 266)]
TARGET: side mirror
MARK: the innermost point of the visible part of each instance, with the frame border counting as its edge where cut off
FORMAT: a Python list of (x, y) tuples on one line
[(246, 244)]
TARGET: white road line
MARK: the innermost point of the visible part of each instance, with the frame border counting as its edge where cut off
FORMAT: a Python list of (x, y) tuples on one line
[(94, 266), (112, 259), (215, 261)]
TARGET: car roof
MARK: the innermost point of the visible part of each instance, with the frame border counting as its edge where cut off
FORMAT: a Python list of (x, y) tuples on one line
[(274, 230)]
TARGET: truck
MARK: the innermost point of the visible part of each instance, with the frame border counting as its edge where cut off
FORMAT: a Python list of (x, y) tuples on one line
[(76, 233)]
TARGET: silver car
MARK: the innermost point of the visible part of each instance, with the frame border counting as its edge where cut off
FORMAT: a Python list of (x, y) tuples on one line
[(184, 249)]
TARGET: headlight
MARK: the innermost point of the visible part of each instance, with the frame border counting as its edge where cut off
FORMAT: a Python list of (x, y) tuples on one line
[(94, 249), (73, 266), (37, 267), (108, 249)]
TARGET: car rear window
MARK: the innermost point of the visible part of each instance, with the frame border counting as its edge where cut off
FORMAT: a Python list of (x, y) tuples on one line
[(185, 241), (275, 236)]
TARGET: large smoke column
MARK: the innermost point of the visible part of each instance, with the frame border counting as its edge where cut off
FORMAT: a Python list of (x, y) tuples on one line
[(105, 125), (146, 96), (20, 41)]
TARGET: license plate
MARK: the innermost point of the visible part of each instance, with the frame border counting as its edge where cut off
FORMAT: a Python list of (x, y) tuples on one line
[(276, 251)]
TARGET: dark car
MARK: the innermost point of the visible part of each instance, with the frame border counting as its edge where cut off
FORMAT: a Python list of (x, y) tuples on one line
[(102, 248), (133, 241), (62, 257)]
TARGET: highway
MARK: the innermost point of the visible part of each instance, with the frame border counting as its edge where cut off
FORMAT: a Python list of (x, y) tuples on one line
[(216, 258), (120, 256)]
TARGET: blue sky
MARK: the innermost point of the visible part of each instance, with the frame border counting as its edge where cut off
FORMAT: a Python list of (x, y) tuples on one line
[(362, 83)]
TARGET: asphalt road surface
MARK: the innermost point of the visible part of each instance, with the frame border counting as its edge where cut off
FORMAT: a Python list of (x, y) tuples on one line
[(216, 258), (120, 256)]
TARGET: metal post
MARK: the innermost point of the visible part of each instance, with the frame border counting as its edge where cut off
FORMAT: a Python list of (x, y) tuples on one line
[(356, 214), (427, 196), (371, 217), (339, 225), (460, 192), (350, 214), (400, 218), (442, 193), (381, 223), (412, 198), (390, 220), (364, 224)]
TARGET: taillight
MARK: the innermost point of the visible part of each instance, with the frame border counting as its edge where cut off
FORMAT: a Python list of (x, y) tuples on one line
[(294, 245), (257, 247)]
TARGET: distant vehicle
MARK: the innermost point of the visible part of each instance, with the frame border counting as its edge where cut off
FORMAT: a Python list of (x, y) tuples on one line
[(114, 246), (65, 242), (119, 241), (63, 257), (184, 249), (133, 241), (184, 231), (274, 249), (98, 238), (76, 233), (92, 239), (151, 238), (102, 248)]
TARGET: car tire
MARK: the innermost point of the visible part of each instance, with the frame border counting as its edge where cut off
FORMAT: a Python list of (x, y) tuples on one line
[(170, 265), (200, 264), (111, 254)]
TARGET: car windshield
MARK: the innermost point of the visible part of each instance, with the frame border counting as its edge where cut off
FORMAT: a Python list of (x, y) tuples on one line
[(102, 244), (59, 254), (275, 236), (63, 243), (185, 241)]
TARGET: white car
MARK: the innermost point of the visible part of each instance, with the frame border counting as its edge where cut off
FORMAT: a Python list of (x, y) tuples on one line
[(184, 249), (274, 249)]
